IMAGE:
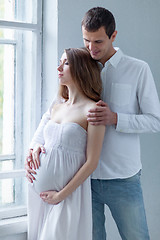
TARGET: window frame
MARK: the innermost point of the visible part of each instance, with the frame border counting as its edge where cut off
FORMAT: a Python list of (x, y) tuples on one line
[(36, 98)]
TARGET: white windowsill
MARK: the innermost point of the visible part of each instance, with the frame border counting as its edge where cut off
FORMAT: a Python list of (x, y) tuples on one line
[(13, 226)]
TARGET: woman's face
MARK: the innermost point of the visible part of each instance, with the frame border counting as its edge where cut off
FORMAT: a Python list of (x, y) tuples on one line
[(64, 73)]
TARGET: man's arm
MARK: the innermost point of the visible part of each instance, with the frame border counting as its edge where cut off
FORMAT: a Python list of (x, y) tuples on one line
[(148, 118)]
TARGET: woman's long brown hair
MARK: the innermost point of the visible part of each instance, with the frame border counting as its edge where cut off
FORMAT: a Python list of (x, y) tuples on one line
[(85, 72)]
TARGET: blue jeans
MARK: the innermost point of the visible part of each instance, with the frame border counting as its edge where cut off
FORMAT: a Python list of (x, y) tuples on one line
[(125, 201)]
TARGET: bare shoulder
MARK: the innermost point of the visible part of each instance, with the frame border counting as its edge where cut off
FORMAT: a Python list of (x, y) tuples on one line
[(90, 104), (94, 127)]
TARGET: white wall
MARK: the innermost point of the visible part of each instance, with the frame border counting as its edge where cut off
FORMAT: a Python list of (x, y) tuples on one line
[(138, 36)]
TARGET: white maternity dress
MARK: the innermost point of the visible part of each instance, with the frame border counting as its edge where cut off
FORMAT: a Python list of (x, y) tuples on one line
[(71, 219)]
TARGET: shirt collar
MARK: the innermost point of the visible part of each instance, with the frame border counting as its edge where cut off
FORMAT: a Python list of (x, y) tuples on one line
[(115, 59)]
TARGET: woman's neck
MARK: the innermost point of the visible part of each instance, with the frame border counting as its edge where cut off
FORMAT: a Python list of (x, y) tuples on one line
[(75, 96)]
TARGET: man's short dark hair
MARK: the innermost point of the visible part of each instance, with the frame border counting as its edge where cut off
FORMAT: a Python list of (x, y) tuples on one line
[(99, 17)]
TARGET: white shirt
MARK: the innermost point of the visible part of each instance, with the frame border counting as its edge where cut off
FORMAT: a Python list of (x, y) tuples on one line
[(129, 90)]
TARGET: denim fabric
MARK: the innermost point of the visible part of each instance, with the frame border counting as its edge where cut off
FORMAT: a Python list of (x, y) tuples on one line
[(125, 201)]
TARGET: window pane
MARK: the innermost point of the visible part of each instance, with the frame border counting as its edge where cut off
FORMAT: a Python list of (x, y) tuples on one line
[(6, 185), (7, 57), (18, 10), (7, 33), (17, 78), (12, 192)]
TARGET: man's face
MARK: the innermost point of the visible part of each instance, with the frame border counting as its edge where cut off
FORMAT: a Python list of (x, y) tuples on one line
[(99, 44)]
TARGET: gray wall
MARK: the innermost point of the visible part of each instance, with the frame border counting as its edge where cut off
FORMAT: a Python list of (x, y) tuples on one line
[(138, 36), (22, 236)]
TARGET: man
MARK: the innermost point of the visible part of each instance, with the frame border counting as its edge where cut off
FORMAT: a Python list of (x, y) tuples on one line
[(130, 106)]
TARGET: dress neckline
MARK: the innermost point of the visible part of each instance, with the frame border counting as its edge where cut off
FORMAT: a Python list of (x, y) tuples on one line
[(71, 123)]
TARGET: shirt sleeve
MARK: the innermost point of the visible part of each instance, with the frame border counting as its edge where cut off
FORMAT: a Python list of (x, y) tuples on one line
[(38, 137), (148, 118)]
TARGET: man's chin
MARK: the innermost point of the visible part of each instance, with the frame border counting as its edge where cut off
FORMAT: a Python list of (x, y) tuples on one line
[(95, 57)]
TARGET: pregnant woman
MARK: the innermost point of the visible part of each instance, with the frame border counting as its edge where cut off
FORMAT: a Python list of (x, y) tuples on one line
[(59, 199)]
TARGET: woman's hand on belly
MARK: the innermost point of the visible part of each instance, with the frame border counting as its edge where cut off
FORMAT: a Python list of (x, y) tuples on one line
[(35, 155), (51, 197)]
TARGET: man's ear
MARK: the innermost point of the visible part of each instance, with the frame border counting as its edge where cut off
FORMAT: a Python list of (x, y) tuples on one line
[(114, 34)]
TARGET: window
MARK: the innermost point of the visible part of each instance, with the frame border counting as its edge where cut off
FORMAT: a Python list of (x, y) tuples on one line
[(20, 96)]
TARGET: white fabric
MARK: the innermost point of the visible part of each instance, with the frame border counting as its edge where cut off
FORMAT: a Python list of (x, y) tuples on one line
[(71, 219), (129, 90), (38, 137)]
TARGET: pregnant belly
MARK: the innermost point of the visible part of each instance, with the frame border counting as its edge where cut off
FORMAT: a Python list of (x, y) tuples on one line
[(49, 176), (56, 170), (54, 173)]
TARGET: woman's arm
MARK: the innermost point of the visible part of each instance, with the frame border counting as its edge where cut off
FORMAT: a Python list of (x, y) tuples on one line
[(94, 146), (36, 146)]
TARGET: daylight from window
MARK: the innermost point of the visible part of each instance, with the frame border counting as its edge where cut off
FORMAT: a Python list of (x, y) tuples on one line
[(6, 106), (19, 32)]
